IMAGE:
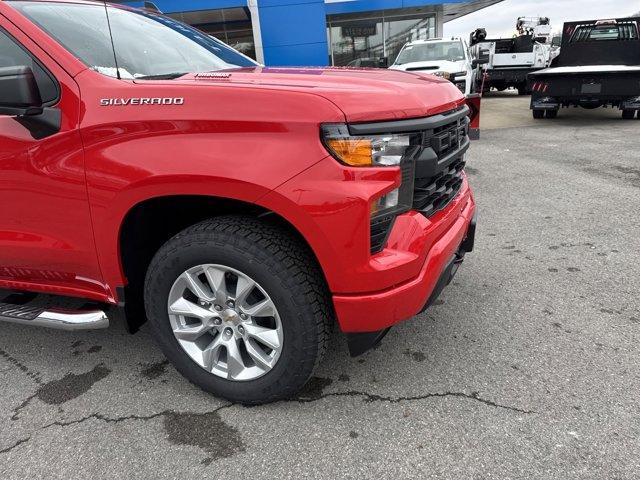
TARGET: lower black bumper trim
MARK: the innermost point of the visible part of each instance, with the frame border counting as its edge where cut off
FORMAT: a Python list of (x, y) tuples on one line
[(445, 279), (469, 241), (454, 262), (359, 343)]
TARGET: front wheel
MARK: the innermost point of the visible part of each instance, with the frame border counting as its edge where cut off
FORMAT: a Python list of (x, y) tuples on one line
[(240, 309)]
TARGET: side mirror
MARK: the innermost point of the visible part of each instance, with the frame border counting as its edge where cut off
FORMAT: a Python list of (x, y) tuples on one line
[(19, 93), (383, 62), (20, 98), (475, 63)]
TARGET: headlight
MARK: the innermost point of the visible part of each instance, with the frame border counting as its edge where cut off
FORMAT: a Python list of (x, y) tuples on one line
[(392, 150), (364, 151), (440, 73)]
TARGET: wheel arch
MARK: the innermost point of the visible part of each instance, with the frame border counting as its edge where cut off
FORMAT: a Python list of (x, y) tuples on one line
[(150, 223)]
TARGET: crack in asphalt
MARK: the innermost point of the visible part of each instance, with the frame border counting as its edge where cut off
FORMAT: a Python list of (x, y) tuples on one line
[(17, 444), (313, 392), (370, 398), (105, 418)]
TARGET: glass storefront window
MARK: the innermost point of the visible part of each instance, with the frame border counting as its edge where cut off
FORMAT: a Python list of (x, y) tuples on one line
[(355, 42), (399, 32), (364, 42), (231, 25)]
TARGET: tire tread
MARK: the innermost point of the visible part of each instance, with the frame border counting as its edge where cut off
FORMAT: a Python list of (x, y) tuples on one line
[(292, 260)]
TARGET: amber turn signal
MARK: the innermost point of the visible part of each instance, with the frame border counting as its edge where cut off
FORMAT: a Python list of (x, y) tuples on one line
[(352, 151)]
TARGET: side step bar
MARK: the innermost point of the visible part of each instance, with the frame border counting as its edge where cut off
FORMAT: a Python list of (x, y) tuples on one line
[(58, 319)]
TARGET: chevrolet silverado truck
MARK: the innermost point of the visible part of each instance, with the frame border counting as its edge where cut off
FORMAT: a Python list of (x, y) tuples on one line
[(241, 210), (598, 66)]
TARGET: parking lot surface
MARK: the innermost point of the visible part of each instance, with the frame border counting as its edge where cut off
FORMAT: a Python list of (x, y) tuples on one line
[(528, 366), (508, 110)]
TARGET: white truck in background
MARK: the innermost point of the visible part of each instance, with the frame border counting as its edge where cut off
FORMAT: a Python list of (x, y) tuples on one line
[(506, 62), (447, 58)]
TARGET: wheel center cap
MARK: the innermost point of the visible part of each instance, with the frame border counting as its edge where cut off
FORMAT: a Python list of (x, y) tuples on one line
[(230, 316)]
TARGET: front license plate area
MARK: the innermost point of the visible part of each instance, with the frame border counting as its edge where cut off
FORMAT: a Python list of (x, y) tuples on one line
[(591, 88)]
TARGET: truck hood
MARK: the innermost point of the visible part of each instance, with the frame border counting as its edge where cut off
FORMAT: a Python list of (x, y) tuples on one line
[(361, 94), (433, 66)]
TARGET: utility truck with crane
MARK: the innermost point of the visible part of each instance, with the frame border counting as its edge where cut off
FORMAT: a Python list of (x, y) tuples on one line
[(506, 62)]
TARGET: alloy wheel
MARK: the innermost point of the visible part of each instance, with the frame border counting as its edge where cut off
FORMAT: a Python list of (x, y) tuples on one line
[(226, 322)]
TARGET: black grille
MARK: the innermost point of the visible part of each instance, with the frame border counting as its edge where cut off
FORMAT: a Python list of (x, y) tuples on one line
[(439, 167), (431, 169), (431, 194), (380, 229)]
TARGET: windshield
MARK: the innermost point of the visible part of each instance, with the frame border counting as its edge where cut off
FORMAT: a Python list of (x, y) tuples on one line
[(434, 51), (147, 44)]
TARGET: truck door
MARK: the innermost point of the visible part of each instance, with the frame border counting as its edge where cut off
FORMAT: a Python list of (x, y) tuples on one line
[(46, 237)]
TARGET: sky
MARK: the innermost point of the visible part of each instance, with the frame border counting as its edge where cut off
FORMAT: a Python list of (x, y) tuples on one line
[(499, 20)]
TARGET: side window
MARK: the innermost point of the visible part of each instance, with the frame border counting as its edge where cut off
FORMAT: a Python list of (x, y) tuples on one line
[(13, 55)]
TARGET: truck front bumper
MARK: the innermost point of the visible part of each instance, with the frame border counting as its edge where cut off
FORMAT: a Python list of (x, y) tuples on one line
[(373, 313)]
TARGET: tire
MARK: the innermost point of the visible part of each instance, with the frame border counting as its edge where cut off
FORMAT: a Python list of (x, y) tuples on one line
[(551, 113), (283, 269), (537, 113), (628, 114)]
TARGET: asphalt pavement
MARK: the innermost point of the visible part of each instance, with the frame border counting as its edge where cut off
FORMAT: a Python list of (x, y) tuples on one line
[(528, 366)]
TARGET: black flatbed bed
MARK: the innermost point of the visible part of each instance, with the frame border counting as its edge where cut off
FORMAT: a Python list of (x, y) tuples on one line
[(598, 65)]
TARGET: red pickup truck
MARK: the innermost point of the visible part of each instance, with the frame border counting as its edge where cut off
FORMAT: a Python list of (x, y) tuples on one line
[(149, 170)]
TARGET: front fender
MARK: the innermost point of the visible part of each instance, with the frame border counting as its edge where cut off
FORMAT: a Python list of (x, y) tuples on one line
[(236, 142)]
